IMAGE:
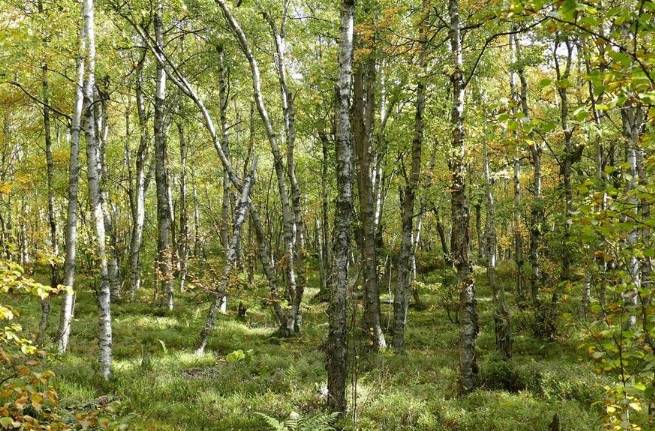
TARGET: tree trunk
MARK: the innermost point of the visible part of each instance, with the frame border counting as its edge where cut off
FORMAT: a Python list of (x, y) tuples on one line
[(460, 237), (94, 169), (164, 219), (502, 320), (289, 226), (363, 124), (101, 119), (408, 196), (52, 219), (325, 212), (70, 234), (633, 118), (289, 113), (140, 185), (183, 238), (516, 214), (222, 118), (568, 159), (336, 346), (537, 218), (240, 213)]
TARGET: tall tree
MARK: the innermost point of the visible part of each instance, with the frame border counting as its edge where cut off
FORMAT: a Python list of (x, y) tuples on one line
[(94, 169), (460, 236), (140, 182), (337, 311), (66, 315), (408, 194), (164, 216)]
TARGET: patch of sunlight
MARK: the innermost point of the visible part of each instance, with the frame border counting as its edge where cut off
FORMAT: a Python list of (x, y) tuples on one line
[(187, 359), (240, 328), (125, 365), (149, 322)]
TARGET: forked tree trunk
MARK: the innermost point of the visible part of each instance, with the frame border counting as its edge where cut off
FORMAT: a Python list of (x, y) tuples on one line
[(101, 118), (570, 156), (363, 122), (289, 113), (289, 225)]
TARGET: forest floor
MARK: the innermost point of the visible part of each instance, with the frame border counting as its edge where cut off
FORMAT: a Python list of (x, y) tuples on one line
[(159, 384)]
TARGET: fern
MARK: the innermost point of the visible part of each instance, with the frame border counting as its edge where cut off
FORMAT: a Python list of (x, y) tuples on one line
[(273, 424), (319, 422), (295, 422)]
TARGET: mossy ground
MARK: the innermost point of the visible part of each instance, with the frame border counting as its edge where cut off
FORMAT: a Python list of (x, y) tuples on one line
[(176, 390)]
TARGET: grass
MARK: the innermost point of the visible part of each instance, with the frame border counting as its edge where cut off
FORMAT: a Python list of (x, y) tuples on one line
[(177, 390)]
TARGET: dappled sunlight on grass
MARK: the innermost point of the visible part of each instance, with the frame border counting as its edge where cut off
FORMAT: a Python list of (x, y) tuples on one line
[(163, 385)]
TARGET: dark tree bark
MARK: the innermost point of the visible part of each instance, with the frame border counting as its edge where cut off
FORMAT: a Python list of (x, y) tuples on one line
[(164, 217), (363, 123), (502, 319), (336, 346), (183, 237), (52, 218), (140, 184), (408, 197)]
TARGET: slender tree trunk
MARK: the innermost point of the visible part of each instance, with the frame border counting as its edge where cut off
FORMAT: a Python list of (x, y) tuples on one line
[(337, 311), (164, 219), (502, 320), (183, 84), (183, 239), (325, 212), (240, 213), (52, 219), (537, 218), (94, 168), (516, 214), (222, 118), (289, 113), (408, 196), (363, 123), (443, 239), (460, 237), (633, 119), (140, 185), (100, 118), (70, 234), (289, 226), (568, 159)]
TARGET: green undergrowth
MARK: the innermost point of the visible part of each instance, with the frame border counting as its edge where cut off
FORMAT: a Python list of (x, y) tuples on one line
[(159, 384)]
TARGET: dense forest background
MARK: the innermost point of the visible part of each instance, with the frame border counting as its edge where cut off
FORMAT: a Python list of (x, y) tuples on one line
[(315, 215)]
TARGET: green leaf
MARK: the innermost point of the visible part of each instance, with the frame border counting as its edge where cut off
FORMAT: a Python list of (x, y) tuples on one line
[(236, 356), (7, 422)]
